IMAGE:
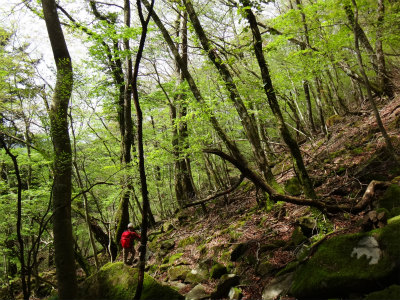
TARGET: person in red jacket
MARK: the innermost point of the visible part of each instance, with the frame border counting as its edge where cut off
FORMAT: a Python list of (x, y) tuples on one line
[(128, 244)]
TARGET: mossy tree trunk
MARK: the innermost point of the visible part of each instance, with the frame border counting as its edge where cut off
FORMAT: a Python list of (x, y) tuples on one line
[(62, 227)]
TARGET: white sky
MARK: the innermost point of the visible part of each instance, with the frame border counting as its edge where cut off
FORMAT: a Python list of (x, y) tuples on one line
[(31, 29)]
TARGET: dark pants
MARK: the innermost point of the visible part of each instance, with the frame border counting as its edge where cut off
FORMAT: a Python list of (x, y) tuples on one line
[(126, 251)]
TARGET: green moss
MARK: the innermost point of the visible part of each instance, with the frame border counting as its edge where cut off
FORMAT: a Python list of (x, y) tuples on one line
[(293, 186), (117, 281), (390, 293), (333, 267), (187, 241), (391, 198), (171, 259)]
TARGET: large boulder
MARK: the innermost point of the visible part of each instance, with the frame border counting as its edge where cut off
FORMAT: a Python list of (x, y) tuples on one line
[(178, 272), (217, 271), (351, 264), (117, 281)]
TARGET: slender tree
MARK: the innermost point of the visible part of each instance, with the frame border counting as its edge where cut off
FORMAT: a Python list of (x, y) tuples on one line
[(62, 227)]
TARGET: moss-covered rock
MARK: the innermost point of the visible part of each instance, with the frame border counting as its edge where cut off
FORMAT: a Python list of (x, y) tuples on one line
[(297, 237), (168, 244), (390, 293), (349, 264), (117, 281), (218, 270), (178, 272), (391, 199), (197, 276)]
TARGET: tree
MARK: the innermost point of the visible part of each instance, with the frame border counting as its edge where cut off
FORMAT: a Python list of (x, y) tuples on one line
[(62, 227)]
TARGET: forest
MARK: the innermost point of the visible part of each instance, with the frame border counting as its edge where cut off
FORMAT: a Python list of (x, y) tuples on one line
[(254, 145)]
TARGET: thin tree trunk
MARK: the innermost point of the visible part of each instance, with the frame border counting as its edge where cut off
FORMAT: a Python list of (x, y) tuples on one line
[(62, 227), (383, 78), (21, 248), (145, 196), (389, 145), (247, 120), (273, 103)]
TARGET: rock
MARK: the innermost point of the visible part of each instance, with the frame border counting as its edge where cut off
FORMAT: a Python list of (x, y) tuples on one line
[(265, 268), (350, 264), (196, 276), (117, 281), (235, 294), (178, 272), (308, 226), (224, 285), (176, 284), (167, 244), (167, 226), (297, 237), (218, 270), (239, 250), (277, 287), (391, 199), (197, 293), (272, 245), (390, 293)]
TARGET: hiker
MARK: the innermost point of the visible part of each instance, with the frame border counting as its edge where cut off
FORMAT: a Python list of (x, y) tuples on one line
[(128, 244)]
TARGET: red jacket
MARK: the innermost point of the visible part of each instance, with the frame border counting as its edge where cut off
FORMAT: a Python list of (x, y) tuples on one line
[(128, 237)]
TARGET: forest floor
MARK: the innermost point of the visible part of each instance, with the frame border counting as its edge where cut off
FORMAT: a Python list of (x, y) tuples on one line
[(341, 166)]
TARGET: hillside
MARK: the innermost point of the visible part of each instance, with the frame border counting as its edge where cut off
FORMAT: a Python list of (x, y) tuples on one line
[(264, 240)]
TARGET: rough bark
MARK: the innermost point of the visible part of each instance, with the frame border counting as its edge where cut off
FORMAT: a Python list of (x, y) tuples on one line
[(62, 227)]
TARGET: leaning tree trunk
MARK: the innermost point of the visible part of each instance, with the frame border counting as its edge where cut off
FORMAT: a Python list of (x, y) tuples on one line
[(273, 103), (62, 227)]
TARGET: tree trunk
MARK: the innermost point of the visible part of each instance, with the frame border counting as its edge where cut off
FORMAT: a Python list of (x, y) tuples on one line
[(382, 129), (21, 251), (247, 120), (142, 172), (383, 78), (62, 227), (273, 103)]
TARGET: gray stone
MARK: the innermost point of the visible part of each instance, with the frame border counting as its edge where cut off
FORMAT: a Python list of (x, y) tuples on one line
[(175, 284), (278, 286), (224, 285), (197, 293)]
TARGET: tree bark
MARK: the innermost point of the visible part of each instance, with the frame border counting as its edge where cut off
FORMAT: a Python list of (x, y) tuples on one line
[(62, 227)]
